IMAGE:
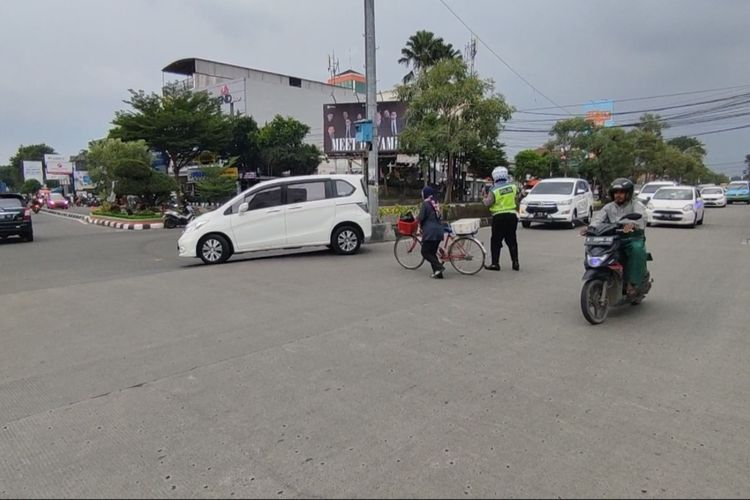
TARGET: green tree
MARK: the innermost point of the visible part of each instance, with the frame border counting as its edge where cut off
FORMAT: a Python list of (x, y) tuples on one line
[(424, 50), (8, 176), (136, 177), (182, 124), (689, 145), (243, 142), (105, 155), (570, 142), (652, 123), (610, 154), (33, 152), (31, 186), (451, 113), (484, 159), (281, 148), (530, 162), (214, 186)]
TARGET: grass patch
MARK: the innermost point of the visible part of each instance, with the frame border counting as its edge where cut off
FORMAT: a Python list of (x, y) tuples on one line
[(123, 215)]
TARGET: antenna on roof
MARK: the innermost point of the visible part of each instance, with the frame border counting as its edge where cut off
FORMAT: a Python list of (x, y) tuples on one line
[(333, 66)]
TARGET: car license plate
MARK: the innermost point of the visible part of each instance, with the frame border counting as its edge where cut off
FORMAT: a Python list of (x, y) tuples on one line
[(541, 215)]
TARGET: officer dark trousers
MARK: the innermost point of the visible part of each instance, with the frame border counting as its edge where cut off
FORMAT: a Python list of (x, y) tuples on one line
[(504, 228)]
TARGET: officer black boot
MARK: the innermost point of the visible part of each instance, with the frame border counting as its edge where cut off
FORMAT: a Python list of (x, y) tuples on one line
[(514, 257)]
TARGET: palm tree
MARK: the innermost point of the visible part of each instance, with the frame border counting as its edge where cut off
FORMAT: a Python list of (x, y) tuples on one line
[(423, 50)]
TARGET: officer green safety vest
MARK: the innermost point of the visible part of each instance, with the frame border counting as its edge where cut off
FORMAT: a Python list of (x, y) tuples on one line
[(505, 199)]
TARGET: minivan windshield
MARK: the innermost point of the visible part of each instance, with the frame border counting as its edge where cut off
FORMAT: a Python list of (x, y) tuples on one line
[(673, 194), (553, 188), (737, 185), (712, 191), (651, 188)]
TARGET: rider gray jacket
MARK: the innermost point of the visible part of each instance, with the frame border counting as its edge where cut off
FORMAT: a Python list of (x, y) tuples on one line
[(612, 212)]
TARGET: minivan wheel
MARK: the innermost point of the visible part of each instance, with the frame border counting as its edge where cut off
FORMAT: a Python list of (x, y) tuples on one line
[(526, 224), (214, 249), (573, 220), (346, 240)]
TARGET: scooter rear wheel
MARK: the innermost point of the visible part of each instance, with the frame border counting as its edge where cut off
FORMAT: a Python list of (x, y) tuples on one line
[(169, 223), (594, 305)]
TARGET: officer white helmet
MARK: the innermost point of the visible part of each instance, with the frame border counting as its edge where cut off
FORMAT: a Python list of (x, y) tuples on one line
[(500, 174)]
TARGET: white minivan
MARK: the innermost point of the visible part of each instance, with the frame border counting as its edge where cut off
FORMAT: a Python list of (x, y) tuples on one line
[(288, 212), (555, 200)]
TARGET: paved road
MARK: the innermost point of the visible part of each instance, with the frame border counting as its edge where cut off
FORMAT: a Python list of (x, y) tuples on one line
[(127, 372)]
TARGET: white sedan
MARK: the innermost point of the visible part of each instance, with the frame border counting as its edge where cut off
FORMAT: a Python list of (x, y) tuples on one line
[(714, 196), (681, 205)]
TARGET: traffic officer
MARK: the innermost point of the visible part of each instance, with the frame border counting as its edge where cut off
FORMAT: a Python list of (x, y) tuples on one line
[(502, 200)]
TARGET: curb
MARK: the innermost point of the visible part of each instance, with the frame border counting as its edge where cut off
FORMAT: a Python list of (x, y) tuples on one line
[(130, 226), (72, 215)]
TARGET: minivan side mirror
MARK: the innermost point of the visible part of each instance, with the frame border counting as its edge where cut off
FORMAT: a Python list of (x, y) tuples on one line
[(243, 208)]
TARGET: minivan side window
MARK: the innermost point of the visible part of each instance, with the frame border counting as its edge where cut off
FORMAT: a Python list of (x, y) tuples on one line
[(266, 198), (344, 189), (306, 191)]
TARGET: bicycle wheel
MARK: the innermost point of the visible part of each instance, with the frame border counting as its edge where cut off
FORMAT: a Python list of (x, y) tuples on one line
[(408, 252), (466, 255)]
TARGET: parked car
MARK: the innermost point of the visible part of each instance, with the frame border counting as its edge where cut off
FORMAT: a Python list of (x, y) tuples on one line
[(558, 200), (713, 196), (15, 217), (738, 191), (56, 200), (289, 212), (681, 205), (648, 190)]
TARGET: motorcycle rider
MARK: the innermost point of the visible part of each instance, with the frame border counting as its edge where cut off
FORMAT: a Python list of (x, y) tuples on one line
[(633, 242), (502, 200)]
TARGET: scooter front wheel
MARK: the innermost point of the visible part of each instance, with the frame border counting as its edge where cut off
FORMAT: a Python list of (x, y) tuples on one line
[(170, 223), (594, 304)]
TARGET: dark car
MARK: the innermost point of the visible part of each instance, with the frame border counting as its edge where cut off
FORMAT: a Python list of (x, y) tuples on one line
[(15, 217)]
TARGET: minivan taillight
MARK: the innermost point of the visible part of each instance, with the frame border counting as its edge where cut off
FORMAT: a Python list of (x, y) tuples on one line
[(27, 214), (364, 207)]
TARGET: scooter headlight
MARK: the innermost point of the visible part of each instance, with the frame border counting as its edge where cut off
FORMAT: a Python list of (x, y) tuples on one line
[(598, 260)]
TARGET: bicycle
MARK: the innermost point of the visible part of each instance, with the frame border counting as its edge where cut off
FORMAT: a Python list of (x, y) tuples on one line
[(464, 251)]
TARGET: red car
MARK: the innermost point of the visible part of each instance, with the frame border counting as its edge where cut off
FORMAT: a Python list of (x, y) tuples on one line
[(56, 200)]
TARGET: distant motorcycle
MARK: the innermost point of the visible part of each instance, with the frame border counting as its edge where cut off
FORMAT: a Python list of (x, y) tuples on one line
[(604, 283), (36, 205), (174, 218)]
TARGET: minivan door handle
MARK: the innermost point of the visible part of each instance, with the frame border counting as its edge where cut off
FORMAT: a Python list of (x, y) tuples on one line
[(274, 211), (295, 208)]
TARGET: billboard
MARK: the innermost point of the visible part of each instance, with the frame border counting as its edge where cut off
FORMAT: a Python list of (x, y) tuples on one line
[(82, 180), (33, 170), (58, 165), (600, 113), (339, 131)]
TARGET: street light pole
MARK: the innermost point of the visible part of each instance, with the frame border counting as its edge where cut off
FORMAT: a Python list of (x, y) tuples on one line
[(372, 107)]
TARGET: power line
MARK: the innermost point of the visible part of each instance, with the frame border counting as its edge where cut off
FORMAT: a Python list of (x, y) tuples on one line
[(630, 99), (500, 58)]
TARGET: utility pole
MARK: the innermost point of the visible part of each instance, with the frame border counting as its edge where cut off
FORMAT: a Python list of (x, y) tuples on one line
[(372, 108)]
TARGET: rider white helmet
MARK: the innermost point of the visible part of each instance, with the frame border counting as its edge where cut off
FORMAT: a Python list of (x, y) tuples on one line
[(500, 174)]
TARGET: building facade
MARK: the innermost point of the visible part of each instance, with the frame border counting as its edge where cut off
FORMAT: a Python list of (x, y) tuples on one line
[(263, 95)]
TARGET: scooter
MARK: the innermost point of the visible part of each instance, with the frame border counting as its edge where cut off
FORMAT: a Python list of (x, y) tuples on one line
[(604, 285), (36, 204), (174, 218)]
